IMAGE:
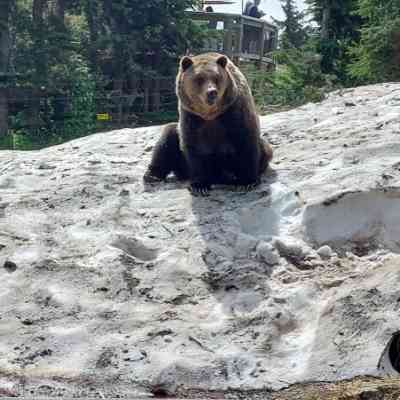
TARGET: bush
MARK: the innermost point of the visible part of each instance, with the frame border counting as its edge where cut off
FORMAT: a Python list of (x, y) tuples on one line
[(297, 80), (377, 56)]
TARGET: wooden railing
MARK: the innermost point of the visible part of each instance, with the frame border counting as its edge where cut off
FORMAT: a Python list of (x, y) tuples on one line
[(240, 37)]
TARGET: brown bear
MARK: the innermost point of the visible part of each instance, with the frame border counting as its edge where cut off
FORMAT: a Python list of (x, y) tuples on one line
[(217, 139)]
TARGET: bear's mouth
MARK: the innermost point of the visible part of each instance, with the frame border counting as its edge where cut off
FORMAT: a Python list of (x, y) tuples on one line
[(212, 97)]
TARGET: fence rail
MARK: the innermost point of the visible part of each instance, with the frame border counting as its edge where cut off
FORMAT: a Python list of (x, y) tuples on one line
[(240, 37), (42, 113)]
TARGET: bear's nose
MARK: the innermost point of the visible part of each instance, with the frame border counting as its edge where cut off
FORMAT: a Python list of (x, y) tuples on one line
[(212, 95)]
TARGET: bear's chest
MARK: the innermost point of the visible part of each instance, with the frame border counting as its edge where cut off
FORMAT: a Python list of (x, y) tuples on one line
[(212, 138)]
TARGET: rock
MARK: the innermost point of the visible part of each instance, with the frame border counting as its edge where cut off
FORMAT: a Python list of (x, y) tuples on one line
[(141, 291), (265, 251), (46, 166), (10, 266), (325, 252), (289, 247)]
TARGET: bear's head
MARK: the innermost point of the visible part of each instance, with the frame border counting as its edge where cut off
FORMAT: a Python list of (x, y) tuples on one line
[(205, 85)]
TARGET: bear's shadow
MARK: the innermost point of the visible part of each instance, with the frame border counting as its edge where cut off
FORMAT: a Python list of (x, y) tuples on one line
[(231, 224)]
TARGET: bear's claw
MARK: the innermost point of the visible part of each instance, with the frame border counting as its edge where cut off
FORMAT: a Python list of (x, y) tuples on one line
[(200, 189), (248, 187), (150, 177)]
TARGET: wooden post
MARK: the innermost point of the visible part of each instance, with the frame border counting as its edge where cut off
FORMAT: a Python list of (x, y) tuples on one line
[(118, 88), (156, 95), (3, 112), (146, 105), (261, 44), (39, 37), (275, 40), (228, 37), (155, 87), (239, 41), (33, 111)]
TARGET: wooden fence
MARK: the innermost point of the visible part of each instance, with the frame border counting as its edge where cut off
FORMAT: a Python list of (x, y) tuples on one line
[(242, 38)]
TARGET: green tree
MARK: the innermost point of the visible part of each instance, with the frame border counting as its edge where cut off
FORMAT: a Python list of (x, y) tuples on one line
[(339, 27), (145, 35), (377, 55), (78, 57), (293, 34), (5, 45)]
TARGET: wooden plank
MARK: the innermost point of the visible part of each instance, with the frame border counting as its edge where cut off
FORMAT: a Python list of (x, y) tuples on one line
[(146, 105), (3, 112), (228, 33), (261, 43), (237, 18), (156, 95), (248, 33), (254, 57), (256, 22), (275, 41), (239, 44), (201, 15)]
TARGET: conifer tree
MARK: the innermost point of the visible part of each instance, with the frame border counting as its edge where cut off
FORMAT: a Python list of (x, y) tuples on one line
[(293, 34), (5, 13), (376, 58), (339, 26)]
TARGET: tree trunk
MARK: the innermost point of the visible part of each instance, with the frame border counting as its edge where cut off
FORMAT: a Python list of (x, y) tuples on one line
[(38, 10), (60, 11), (326, 16), (91, 11), (3, 112), (5, 11)]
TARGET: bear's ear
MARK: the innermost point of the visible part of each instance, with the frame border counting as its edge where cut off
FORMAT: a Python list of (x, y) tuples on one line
[(222, 61), (186, 63)]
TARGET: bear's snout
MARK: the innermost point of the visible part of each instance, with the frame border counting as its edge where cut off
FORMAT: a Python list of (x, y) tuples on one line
[(212, 95)]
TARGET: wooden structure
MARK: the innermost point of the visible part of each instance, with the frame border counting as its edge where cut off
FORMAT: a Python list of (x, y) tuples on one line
[(241, 38)]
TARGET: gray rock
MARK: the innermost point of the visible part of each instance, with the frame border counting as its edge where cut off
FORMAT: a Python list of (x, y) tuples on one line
[(266, 252), (289, 247), (325, 252)]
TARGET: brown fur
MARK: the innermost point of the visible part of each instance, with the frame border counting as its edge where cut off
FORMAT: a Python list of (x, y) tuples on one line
[(216, 139)]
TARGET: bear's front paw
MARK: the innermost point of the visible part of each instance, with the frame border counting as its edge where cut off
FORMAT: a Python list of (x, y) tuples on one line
[(152, 176), (200, 189), (247, 187)]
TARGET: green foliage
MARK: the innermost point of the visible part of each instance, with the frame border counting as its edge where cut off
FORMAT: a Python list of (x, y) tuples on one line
[(293, 33), (339, 26), (91, 56), (376, 58), (359, 40), (102, 56), (298, 79), (142, 36), (16, 141), (81, 116)]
